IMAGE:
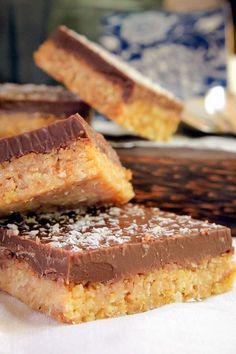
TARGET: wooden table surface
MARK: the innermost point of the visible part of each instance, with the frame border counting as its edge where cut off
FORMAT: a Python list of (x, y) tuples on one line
[(201, 183)]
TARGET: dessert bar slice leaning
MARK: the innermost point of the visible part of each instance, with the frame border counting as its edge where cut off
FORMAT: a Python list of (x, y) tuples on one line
[(77, 266), (28, 107), (63, 164), (109, 85)]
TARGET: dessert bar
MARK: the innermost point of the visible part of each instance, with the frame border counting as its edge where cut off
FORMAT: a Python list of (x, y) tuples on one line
[(109, 85), (84, 265), (63, 164), (28, 107)]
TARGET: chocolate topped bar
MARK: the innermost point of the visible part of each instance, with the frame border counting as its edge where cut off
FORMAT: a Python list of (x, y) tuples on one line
[(28, 107), (89, 264), (63, 164), (31, 98), (109, 65), (74, 43), (109, 85), (109, 243)]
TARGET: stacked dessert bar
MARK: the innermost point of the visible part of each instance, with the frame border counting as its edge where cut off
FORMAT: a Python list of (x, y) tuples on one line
[(27, 107), (63, 164), (78, 266), (109, 85), (71, 245)]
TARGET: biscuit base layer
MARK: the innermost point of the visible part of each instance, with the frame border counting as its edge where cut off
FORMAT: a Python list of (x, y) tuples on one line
[(143, 113), (75, 303)]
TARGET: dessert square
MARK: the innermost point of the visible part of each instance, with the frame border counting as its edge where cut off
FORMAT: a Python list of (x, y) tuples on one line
[(28, 107), (83, 265), (63, 164), (109, 85)]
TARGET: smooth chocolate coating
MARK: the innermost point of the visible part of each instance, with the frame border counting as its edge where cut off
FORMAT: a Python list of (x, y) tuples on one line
[(55, 136), (109, 244), (63, 39)]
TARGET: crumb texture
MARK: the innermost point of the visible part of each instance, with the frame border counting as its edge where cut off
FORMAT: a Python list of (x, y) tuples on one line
[(75, 303), (78, 174)]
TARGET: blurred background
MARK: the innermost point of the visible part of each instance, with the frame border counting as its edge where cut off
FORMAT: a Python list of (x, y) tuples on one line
[(184, 45)]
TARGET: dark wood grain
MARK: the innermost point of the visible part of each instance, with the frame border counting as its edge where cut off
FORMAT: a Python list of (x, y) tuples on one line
[(201, 183)]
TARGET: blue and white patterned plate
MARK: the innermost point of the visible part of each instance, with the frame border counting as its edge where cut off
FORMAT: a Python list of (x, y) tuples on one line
[(185, 53)]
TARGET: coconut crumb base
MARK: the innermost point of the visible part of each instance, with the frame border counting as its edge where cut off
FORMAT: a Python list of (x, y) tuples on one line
[(80, 173), (75, 303)]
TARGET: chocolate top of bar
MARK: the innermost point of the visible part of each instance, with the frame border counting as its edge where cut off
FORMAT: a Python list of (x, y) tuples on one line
[(40, 98), (54, 136), (63, 38), (109, 243), (115, 70)]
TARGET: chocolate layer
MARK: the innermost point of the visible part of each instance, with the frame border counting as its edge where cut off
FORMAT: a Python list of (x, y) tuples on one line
[(109, 244), (40, 98), (55, 136), (63, 38)]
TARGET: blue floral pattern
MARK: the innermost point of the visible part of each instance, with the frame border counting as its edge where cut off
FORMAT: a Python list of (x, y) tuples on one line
[(185, 53)]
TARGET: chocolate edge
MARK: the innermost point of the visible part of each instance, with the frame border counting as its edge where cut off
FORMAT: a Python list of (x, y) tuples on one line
[(115, 262), (56, 135), (62, 39)]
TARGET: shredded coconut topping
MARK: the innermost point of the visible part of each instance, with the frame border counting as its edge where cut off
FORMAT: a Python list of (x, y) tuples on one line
[(82, 229)]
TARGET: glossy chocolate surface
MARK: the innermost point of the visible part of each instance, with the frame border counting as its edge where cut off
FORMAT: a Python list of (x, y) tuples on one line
[(55, 136), (109, 244)]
